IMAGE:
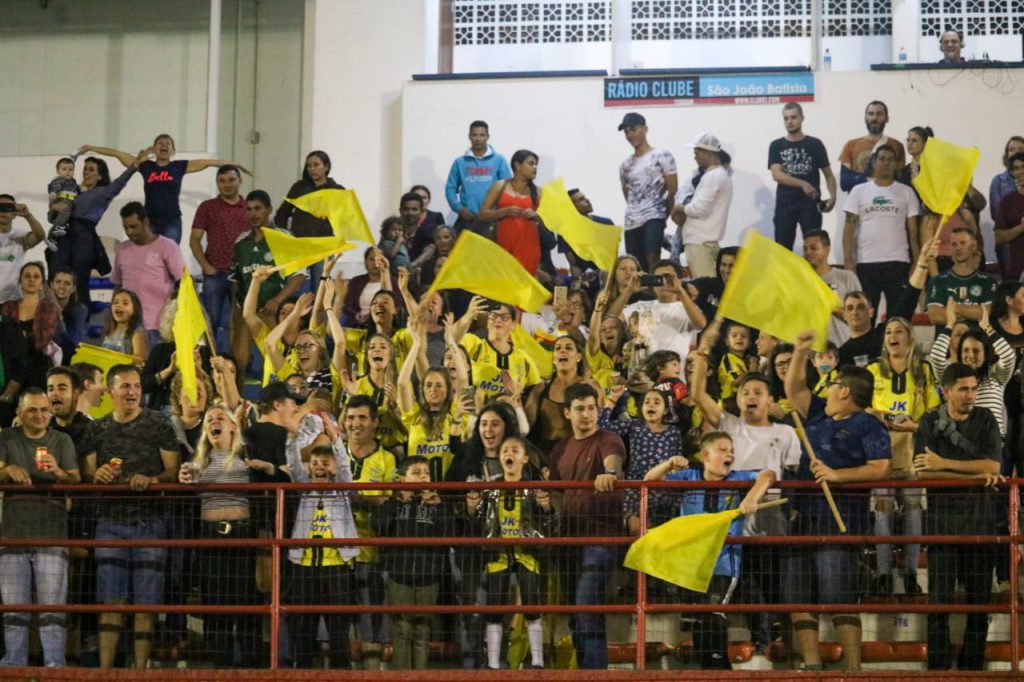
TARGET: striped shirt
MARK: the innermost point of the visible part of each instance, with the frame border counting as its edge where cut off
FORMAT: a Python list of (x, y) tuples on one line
[(223, 467), (990, 388)]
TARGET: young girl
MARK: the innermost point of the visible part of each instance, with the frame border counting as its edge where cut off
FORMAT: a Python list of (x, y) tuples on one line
[(378, 382), (513, 513), (123, 330), (606, 345), (735, 363), (392, 243), (651, 440)]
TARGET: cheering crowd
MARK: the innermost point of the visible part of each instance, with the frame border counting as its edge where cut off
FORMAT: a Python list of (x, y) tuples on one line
[(625, 375)]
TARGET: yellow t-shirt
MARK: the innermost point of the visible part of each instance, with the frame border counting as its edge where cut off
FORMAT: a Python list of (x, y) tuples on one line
[(435, 447), (730, 368), (321, 530), (390, 431), (488, 364), (510, 521), (268, 371), (901, 395), (377, 467), (602, 367)]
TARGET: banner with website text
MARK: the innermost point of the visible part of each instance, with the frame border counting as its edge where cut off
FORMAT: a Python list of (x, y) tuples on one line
[(718, 88)]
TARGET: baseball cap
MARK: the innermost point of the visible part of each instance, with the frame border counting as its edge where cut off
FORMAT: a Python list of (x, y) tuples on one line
[(632, 119), (278, 390), (708, 142)]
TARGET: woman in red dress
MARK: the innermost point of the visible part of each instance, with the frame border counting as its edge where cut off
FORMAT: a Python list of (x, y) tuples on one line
[(513, 205)]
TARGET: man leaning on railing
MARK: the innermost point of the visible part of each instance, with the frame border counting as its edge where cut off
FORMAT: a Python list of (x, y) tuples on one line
[(959, 440), (31, 454)]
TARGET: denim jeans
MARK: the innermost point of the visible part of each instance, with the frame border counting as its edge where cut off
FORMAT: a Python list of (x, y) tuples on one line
[(216, 299), (791, 212), (130, 573), (47, 567), (171, 229), (588, 629)]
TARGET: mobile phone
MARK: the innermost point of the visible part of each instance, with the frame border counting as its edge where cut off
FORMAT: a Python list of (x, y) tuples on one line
[(561, 295), (469, 393), (651, 280)]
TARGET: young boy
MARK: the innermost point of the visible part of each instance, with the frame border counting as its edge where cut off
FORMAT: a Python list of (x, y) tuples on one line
[(62, 192), (414, 573), (735, 362), (321, 575), (711, 632), (513, 513), (827, 364)]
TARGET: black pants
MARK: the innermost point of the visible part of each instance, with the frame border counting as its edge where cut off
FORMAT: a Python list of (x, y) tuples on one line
[(227, 576), (314, 585), (711, 630), (81, 250), (762, 584), (970, 565), (883, 278), (499, 585), (789, 213)]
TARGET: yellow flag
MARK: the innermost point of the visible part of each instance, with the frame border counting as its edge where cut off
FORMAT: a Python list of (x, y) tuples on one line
[(590, 240), (293, 254), (189, 325), (541, 356), (946, 172), (341, 208), (480, 266), (774, 290), (684, 550), (104, 359)]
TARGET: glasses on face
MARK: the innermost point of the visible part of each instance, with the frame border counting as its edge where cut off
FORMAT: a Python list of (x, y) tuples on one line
[(305, 346), (499, 317)]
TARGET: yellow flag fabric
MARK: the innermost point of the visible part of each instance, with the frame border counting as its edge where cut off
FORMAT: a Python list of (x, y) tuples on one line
[(684, 550), (104, 359), (298, 253), (540, 356), (341, 208), (774, 290), (480, 266), (946, 172), (188, 328), (590, 240)]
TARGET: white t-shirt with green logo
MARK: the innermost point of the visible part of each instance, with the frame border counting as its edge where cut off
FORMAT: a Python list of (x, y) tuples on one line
[(882, 213)]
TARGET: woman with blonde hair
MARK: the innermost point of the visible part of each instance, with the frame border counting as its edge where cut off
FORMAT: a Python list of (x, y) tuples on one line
[(226, 574), (904, 391)]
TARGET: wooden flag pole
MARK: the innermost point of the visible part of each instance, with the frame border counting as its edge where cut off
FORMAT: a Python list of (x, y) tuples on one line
[(773, 503), (814, 458)]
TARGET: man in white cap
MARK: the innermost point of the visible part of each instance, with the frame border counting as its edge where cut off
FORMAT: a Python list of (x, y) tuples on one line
[(704, 217)]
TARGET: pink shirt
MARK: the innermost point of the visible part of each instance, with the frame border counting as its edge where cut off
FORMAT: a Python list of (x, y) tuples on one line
[(150, 271)]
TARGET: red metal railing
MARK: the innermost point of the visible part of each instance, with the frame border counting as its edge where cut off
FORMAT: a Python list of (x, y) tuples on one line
[(275, 609)]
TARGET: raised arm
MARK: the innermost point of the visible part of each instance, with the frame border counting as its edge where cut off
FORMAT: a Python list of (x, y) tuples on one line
[(272, 352), (475, 309), (249, 306), (699, 382), (128, 160), (406, 398), (196, 165), (594, 338), (622, 300), (334, 326), (461, 378), (796, 378), (660, 471)]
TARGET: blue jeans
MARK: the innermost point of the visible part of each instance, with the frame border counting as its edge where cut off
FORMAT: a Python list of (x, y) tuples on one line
[(171, 229), (790, 213), (216, 299), (588, 629), (47, 567), (134, 574)]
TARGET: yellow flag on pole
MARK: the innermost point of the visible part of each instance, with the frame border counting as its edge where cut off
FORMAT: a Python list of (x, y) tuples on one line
[(292, 254), (682, 551), (480, 266), (590, 240), (774, 290), (946, 172), (341, 208), (541, 356), (188, 328), (104, 359)]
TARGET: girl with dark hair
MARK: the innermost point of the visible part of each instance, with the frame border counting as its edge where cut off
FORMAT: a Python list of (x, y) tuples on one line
[(74, 314), (80, 248), (123, 330), (316, 175), (606, 343), (545, 408), (513, 204), (162, 178)]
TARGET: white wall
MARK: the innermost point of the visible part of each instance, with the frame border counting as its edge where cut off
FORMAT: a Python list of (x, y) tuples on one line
[(565, 123)]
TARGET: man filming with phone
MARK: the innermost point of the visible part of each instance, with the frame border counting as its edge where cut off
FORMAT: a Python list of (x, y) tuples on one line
[(668, 322), (14, 243)]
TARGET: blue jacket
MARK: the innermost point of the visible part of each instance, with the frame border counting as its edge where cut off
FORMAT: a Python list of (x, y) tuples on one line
[(471, 177)]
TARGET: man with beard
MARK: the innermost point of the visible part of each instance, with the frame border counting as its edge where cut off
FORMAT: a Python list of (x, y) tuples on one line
[(795, 162), (136, 446), (858, 151), (321, 574)]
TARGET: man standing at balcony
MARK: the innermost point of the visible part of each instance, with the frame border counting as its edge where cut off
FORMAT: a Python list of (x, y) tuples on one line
[(590, 454), (649, 182), (136, 446), (31, 454), (849, 446), (857, 152), (959, 440), (472, 174)]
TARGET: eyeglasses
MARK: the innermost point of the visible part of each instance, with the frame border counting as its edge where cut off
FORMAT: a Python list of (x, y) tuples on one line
[(499, 317), (305, 346)]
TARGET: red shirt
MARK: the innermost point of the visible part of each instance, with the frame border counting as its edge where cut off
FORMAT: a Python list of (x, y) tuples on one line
[(587, 512), (1010, 215), (223, 223)]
